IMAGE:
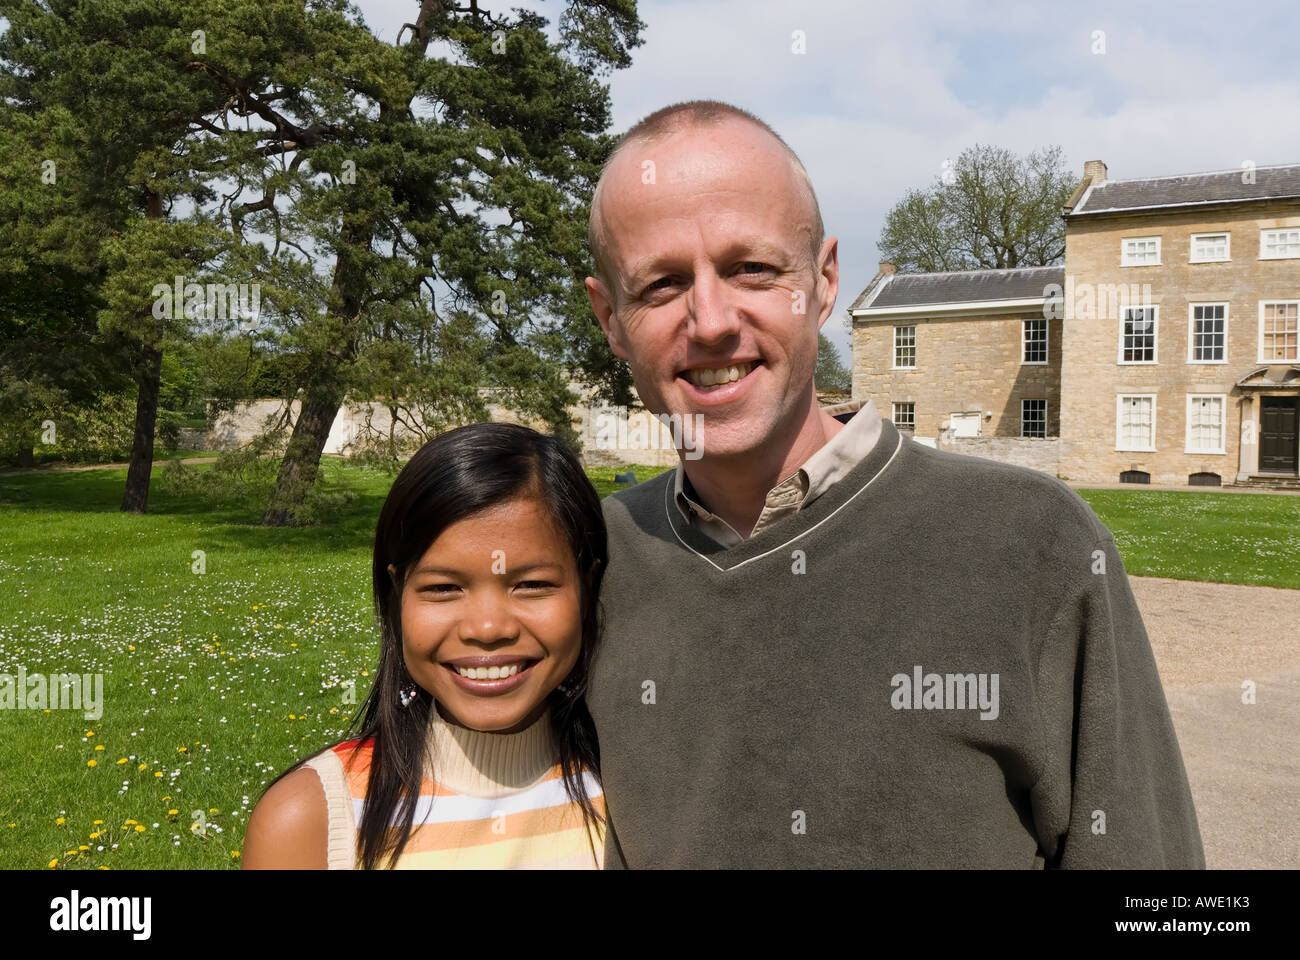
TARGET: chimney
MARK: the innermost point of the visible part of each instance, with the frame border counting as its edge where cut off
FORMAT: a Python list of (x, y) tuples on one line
[(886, 269), (1095, 170)]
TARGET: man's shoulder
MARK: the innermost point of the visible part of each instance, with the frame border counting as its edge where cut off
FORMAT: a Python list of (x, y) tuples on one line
[(638, 499), (1006, 494)]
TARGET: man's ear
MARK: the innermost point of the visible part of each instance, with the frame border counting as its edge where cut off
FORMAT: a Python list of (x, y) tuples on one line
[(828, 278), (602, 305)]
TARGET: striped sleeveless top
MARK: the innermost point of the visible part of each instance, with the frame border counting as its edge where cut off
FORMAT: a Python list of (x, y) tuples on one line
[(498, 802)]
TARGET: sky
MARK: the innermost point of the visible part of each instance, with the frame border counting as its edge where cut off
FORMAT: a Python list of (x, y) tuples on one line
[(886, 92)]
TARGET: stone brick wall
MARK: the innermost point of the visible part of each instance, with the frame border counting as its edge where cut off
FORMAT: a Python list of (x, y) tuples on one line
[(962, 364), (1092, 377), (1033, 452)]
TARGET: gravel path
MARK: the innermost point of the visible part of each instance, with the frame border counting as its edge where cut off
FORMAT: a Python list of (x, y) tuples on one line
[(1243, 760)]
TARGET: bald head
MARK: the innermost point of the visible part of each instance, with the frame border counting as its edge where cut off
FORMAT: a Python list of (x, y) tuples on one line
[(682, 118)]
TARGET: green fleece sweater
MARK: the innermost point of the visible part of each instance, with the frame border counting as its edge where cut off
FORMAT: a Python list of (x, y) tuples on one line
[(937, 663)]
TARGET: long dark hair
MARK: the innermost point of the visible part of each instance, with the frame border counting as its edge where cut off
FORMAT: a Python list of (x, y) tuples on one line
[(457, 474)]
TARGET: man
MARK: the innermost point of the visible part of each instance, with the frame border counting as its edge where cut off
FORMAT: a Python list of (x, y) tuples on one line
[(827, 645)]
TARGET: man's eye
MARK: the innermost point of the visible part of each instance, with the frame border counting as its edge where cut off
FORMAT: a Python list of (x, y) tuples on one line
[(754, 266), (661, 284)]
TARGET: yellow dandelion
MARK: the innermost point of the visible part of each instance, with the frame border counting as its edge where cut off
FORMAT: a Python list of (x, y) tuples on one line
[(181, 749), (142, 766), (60, 821), (172, 812), (99, 746), (90, 733), (129, 822), (139, 828), (132, 647), (122, 761), (90, 763), (54, 863), (102, 867), (234, 854), (83, 847), (98, 822), (213, 810), (292, 717), (157, 773)]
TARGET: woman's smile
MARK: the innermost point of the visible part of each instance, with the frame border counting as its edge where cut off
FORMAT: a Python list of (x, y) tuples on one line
[(490, 676)]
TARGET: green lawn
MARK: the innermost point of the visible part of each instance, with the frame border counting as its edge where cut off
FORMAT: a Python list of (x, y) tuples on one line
[(1248, 538), (215, 682)]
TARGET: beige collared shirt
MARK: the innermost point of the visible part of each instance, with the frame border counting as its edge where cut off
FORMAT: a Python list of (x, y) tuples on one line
[(842, 453)]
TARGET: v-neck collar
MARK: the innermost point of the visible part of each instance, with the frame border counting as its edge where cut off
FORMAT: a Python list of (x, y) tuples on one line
[(790, 529)]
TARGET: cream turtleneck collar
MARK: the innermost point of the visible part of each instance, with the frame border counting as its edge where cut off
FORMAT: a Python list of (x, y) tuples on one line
[(481, 764)]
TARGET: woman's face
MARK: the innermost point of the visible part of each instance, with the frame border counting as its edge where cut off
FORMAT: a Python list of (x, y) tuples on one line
[(491, 617)]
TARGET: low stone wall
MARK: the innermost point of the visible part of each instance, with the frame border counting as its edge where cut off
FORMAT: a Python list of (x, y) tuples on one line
[(1037, 453), (192, 439), (611, 436)]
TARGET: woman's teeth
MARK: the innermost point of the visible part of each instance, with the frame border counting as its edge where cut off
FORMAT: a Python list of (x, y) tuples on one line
[(488, 673), (719, 376)]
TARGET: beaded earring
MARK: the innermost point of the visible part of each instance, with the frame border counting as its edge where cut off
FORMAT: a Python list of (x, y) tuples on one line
[(406, 694)]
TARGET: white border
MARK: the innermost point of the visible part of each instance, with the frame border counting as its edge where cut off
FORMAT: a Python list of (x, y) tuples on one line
[(1124, 257), (893, 413), (893, 347), (1223, 422), (1023, 435), (1263, 232), (1227, 247), (1191, 328), (1047, 342), (1155, 335), (1259, 342), (1119, 405)]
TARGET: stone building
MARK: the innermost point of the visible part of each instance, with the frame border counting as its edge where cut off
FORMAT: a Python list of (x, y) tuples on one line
[(1164, 350)]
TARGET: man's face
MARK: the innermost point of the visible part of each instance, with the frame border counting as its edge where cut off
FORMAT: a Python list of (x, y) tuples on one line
[(714, 282)]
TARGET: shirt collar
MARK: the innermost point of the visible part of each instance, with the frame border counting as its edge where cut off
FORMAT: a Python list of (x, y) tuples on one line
[(827, 465)]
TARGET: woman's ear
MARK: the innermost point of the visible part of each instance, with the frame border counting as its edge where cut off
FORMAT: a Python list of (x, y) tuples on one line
[(392, 574)]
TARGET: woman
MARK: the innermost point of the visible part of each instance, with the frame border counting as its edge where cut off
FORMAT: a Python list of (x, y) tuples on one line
[(476, 748)]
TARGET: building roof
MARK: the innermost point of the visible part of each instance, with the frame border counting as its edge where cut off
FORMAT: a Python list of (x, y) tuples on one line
[(901, 290), (1192, 189)]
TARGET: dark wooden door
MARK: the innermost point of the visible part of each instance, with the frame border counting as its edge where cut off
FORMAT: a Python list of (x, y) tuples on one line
[(1279, 418)]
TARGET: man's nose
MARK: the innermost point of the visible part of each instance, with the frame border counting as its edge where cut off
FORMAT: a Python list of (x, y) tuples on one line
[(713, 315)]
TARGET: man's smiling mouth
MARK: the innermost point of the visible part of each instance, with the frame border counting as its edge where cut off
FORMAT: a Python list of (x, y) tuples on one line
[(711, 378)]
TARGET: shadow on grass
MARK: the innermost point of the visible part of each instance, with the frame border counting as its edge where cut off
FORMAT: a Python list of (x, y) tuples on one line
[(237, 521)]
